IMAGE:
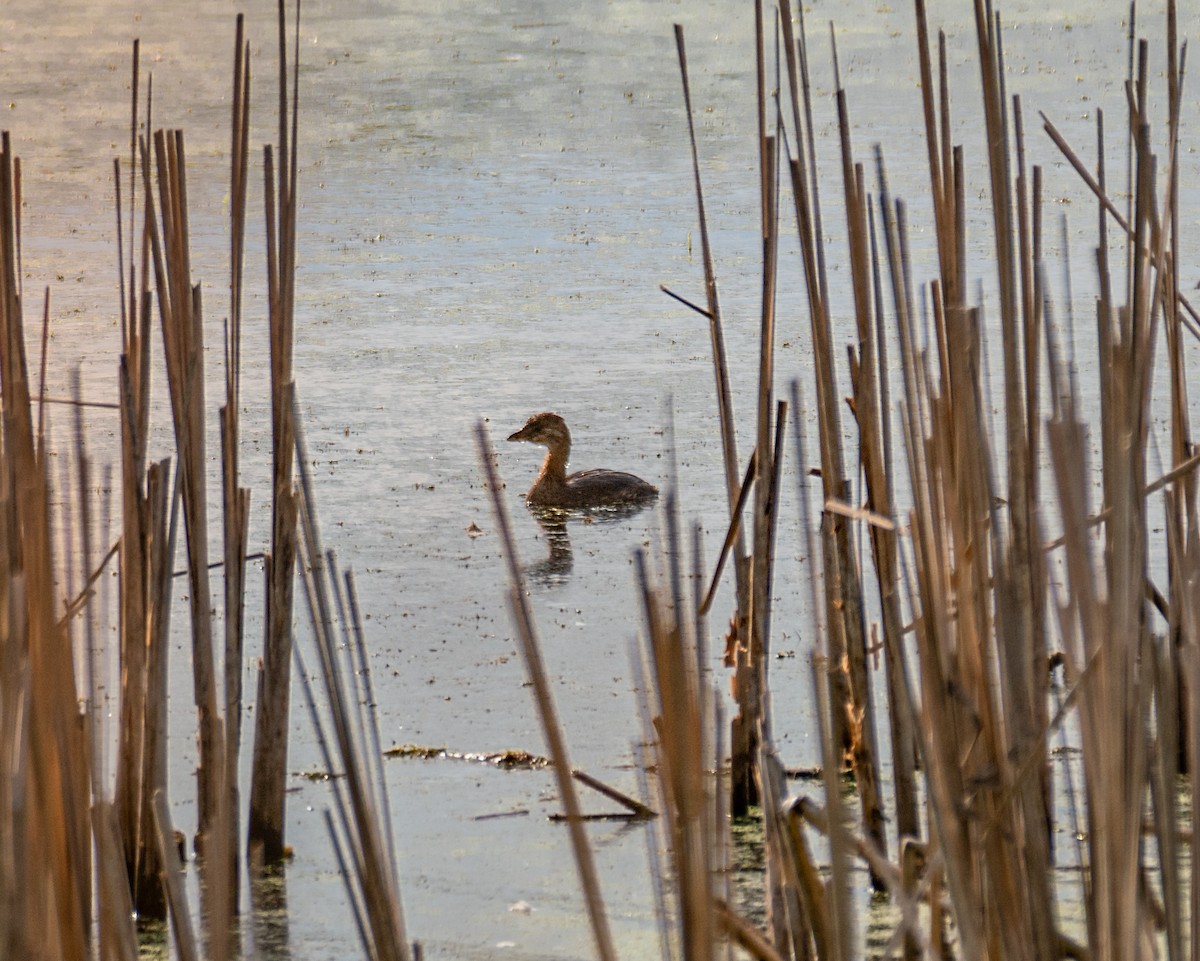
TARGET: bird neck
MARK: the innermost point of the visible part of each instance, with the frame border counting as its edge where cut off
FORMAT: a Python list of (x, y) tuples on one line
[(554, 467)]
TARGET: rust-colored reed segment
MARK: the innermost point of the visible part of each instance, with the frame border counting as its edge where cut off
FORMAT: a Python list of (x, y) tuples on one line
[(544, 700), (45, 358), (267, 797), (18, 921), (45, 751)]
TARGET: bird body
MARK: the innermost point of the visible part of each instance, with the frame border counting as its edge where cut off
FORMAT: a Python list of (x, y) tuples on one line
[(554, 487)]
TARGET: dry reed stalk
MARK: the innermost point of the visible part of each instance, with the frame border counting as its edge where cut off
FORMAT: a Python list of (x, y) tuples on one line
[(116, 938), (1019, 608), (846, 641), (678, 739), (144, 610), (46, 779), (864, 745), (181, 319), (234, 498), (365, 844), (941, 718), (172, 871), (753, 651), (841, 916), (268, 779), (555, 741), (743, 790), (981, 582)]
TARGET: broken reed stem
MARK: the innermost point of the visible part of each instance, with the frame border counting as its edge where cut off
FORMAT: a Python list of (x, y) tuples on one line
[(636, 807), (544, 700), (732, 534)]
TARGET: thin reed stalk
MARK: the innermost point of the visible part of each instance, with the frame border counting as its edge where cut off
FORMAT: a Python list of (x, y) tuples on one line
[(235, 499), (45, 872), (743, 790), (268, 780), (555, 741), (364, 845), (181, 317)]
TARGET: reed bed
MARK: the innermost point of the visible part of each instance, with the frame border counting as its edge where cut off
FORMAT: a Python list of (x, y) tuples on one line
[(970, 618), (989, 571), (968, 525), (90, 854)]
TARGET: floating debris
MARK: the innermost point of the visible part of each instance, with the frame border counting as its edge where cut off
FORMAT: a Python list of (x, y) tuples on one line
[(508, 760)]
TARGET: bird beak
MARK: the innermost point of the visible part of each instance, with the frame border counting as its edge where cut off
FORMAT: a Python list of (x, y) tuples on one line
[(517, 435)]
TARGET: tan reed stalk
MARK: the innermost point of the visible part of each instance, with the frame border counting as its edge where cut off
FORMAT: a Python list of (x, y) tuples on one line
[(268, 780), (88, 719), (841, 917), (365, 843), (46, 793), (1171, 759), (845, 641), (752, 654), (181, 919), (789, 922), (743, 790), (937, 721), (234, 498), (141, 747), (678, 744), (555, 741), (873, 412), (181, 318), (785, 914), (116, 937), (1188, 569), (864, 756)]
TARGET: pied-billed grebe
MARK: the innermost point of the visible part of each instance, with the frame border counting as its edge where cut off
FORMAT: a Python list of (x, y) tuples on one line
[(586, 488)]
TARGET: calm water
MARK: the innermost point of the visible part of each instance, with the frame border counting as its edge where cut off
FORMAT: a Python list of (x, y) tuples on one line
[(490, 196)]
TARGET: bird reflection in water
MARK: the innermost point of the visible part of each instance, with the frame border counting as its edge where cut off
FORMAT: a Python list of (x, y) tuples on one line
[(555, 569)]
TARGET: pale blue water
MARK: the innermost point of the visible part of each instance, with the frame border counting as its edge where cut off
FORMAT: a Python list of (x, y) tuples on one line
[(490, 196)]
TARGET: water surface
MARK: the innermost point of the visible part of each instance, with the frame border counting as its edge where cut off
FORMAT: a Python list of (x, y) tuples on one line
[(491, 194)]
